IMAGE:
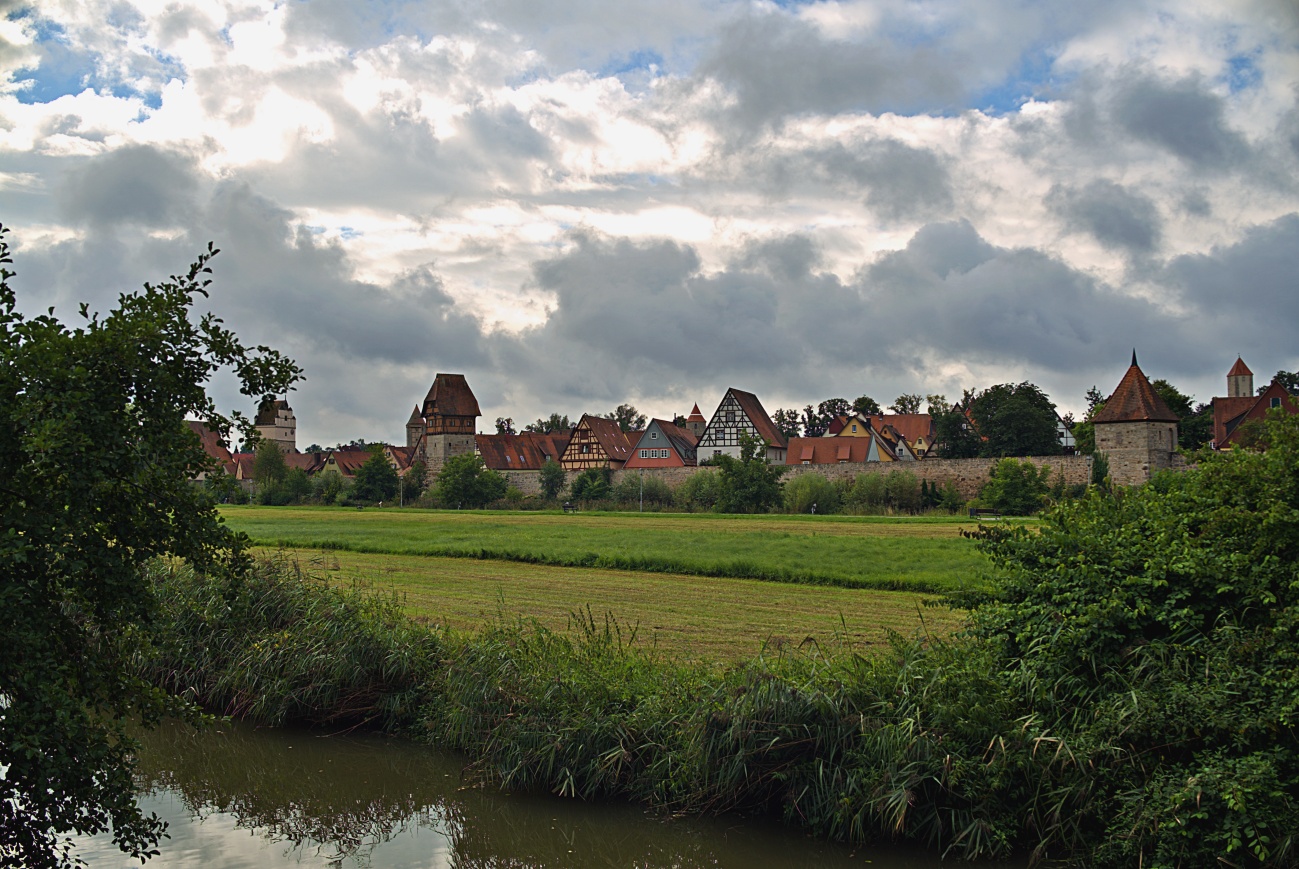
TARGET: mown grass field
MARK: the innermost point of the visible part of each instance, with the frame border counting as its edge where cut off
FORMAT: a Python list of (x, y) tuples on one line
[(901, 554), (684, 616)]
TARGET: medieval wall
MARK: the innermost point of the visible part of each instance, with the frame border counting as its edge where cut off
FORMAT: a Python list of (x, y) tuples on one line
[(969, 475)]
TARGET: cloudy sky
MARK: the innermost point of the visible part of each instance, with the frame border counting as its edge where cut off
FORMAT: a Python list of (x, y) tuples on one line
[(579, 204)]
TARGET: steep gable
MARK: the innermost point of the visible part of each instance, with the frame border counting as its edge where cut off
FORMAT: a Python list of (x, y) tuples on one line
[(1135, 400)]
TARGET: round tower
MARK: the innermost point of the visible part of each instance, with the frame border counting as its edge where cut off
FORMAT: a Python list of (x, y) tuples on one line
[(1240, 380)]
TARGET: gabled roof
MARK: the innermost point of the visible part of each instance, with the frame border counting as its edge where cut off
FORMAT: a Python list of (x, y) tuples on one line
[(616, 444), (415, 417), (309, 462), (521, 452), (213, 445), (450, 395), (1227, 414), (1240, 369), (758, 415), (912, 426), (678, 438), (348, 459), (827, 451), (1135, 400), (1256, 409)]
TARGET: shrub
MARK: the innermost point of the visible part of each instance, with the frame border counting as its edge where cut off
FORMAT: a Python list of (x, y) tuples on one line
[(804, 491), (867, 493), (635, 489), (698, 492), (902, 491), (593, 484), (1016, 488), (466, 483), (552, 479)]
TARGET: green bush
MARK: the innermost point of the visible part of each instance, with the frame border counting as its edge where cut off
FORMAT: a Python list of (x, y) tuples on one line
[(1016, 488), (698, 493), (466, 483), (593, 484), (802, 492), (633, 489)]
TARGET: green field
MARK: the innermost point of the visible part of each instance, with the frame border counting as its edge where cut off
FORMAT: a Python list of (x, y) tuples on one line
[(901, 554), (690, 616)]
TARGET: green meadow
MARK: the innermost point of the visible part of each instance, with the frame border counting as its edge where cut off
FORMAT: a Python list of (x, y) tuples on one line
[(920, 554)]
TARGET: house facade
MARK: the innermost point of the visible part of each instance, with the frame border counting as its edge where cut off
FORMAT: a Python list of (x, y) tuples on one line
[(739, 413), (1233, 413), (663, 445), (597, 442)]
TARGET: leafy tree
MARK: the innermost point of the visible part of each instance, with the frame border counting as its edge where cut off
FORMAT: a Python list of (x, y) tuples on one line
[(699, 491), (1194, 424), (593, 484), (627, 417), (314, 448), (1100, 473), (864, 404), (549, 425), (269, 468), (465, 482), (637, 489), (749, 484), (906, 403), (1289, 381), (832, 408), (376, 480), (937, 403), (95, 470), (786, 422), (552, 479), (1015, 419), (415, 480), (505, 425), (1084, 433), (296, 485), (1016, 488), (808, 491), (814, 425), (329, 487), (954, 434)]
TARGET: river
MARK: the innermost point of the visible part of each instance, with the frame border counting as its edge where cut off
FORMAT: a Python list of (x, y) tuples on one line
[(243, 797)]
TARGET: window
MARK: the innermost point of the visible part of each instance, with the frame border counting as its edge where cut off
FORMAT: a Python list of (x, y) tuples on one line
[(644, 454), (1276, 402), (854, 426), (586, 448), (654, 435), (663, 454)]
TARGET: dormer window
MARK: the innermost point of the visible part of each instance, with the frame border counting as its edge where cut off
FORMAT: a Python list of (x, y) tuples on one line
[(1276, 402)]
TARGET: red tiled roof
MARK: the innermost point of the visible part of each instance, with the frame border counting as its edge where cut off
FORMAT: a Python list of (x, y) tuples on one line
[(1240, 369), (349, 459), (213, 445), (1135, 400), (1226, 412), (415, 417), (309, 462), (616, 444), (268, 411), (678, 438), (912, 426), (695, 415), (450, 395), (521, 452), (1256, 409), (761, 420), (827, 451)]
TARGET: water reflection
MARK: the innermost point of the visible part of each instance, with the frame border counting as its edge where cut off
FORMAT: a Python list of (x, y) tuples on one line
[(244, 797)]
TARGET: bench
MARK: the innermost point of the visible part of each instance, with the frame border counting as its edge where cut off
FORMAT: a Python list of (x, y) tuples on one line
[(570, 507), (984, 513)]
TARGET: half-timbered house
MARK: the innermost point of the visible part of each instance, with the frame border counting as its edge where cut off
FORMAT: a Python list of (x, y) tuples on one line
[(597, 443), (739, 413)]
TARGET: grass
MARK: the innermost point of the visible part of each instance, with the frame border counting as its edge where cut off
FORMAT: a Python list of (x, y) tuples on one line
[(683, 616), (920, 554)]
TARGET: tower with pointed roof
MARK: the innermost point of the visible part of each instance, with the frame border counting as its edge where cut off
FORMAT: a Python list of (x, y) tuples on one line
[(449, 419), (276, 423), (695, 423), (415, 430), (1136, 430), (1240, 380)]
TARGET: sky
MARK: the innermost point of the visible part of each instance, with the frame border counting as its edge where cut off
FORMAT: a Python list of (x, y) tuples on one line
[(581, 204)]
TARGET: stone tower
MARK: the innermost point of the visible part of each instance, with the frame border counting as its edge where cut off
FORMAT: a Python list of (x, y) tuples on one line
[(415, 430), (276, 423), (1136, 430), (1240, 380), (695, 423), (450, 416)]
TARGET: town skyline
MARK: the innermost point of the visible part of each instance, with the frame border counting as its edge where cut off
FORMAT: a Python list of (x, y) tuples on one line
[(579, 206)]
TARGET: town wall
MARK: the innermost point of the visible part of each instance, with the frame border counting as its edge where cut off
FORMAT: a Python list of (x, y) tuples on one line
[(969, 475)]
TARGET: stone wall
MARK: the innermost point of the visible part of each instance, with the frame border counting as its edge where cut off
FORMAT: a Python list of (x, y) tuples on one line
[(1136, 450), (969, 475)]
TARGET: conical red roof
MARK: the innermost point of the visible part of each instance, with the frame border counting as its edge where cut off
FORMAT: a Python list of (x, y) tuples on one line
[(1135, 400), (1240, 369), (696, 415)]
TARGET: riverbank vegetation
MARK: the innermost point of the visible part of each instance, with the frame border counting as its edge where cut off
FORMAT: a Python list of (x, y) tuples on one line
[(1124, 694), (921, 554)]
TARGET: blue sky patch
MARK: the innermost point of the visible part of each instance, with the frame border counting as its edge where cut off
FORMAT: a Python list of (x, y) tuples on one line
[(1242, 73)]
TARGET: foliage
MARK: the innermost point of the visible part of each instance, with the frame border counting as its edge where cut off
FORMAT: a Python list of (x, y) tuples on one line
[(906, 403), (549, 425), (466, 483), (224, 488), (376, 480), (552, 479), (593, 484), (505, 425), (817, 422), (787, 422), (954, 435), (627, 417), (269, 467), (1016, 488), (749, 484), (95, 470), (808, 491), (867, 406), (1289, 381), (637, 489), (329, 487), (814, 425), (415, 480), (1194, 423), (1015, 419), (1100, 472), (699, 491)]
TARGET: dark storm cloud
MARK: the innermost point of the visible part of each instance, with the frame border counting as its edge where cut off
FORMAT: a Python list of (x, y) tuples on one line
[(135, 184), (897, 181), (1181, 116), (1115, 216), (1245, 292)]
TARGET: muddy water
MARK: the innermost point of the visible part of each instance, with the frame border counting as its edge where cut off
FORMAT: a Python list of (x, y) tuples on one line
[(239, 797)]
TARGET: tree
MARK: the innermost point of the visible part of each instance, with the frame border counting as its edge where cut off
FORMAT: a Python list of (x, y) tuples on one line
[(505, 425), (749, 484), (376, 480), (95, 470), (552, 479), (867, 406), (549, 425), (465, 482), (814, 425), (906, 403), (1015, 419), (1084, 433), (415, 480), (786, 422), (269, 468), (954, 434), (937, 403), (1289, 381), (1194, 424), (627, 417), (1016, 488), (593, 484)]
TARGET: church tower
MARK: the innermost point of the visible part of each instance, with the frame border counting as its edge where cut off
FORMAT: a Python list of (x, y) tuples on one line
[(1240, 380), (450, 415), (1136, 430), (276, 423)]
